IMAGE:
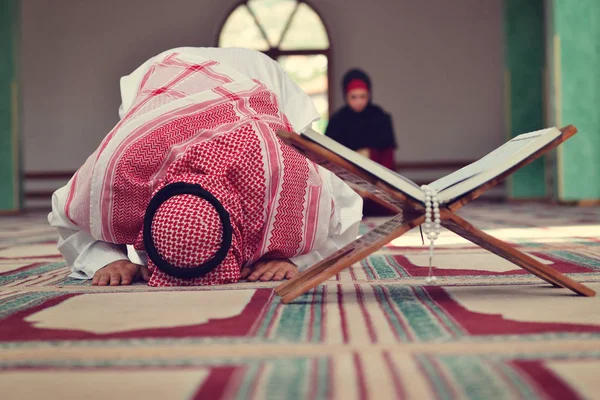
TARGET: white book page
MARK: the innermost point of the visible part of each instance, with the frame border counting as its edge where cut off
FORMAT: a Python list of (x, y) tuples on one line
[(493, 164), (458, 182), (486, 162)]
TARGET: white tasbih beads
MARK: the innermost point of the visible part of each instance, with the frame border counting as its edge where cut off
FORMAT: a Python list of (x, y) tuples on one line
[(432, 225)]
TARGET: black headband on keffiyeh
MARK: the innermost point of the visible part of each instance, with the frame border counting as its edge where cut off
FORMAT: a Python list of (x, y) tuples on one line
[(176, 189)]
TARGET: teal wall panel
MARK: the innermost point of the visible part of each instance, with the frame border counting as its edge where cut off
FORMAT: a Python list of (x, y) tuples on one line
[(10, 179), (576, 37), (524, 63)]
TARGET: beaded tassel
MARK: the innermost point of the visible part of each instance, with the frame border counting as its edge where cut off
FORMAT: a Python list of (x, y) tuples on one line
[(432, 225)]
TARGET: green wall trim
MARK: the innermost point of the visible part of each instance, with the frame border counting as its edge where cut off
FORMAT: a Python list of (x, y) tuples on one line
[(524, 63), (10, 160), (577, 30)]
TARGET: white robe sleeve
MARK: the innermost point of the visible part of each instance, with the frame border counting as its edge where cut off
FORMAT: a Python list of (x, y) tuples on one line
[(84, 254), (344, 224)]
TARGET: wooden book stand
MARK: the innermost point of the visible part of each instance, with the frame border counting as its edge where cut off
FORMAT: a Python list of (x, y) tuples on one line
[(410, 214)]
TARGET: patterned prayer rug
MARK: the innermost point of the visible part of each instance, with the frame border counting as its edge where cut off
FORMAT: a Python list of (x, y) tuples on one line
[(375, 331)]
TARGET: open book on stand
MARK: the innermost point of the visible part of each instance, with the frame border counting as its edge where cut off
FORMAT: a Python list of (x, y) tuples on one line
[(457, 183), (409, 201)]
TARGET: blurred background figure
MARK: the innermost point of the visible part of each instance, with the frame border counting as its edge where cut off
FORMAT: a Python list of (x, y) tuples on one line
[(361, 125)]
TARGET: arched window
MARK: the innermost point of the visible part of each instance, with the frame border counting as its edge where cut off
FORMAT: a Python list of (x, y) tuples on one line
[(291, 32)]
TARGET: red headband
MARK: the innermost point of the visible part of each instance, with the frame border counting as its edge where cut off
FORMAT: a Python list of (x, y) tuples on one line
[(356, 84)]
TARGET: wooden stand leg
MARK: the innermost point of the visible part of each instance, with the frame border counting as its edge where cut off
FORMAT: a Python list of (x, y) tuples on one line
[(462, 228), (401, 224), (348, 255)]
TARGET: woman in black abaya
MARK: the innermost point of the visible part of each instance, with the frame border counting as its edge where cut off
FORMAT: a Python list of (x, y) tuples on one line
[(361, 125)]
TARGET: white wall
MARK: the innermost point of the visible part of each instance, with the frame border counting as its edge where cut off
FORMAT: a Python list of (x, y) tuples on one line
[(436, 65)]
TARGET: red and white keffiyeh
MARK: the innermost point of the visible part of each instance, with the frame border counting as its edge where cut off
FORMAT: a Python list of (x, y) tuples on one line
[(199, 123)]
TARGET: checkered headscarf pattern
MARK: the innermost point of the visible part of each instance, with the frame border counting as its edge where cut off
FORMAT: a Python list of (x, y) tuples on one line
[(187, 232), (186, 216)]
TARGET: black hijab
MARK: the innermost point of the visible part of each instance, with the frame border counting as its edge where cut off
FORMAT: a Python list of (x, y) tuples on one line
[(370, 128)]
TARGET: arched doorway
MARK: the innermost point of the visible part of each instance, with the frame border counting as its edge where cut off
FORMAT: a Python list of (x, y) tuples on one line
[(291, 32)]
